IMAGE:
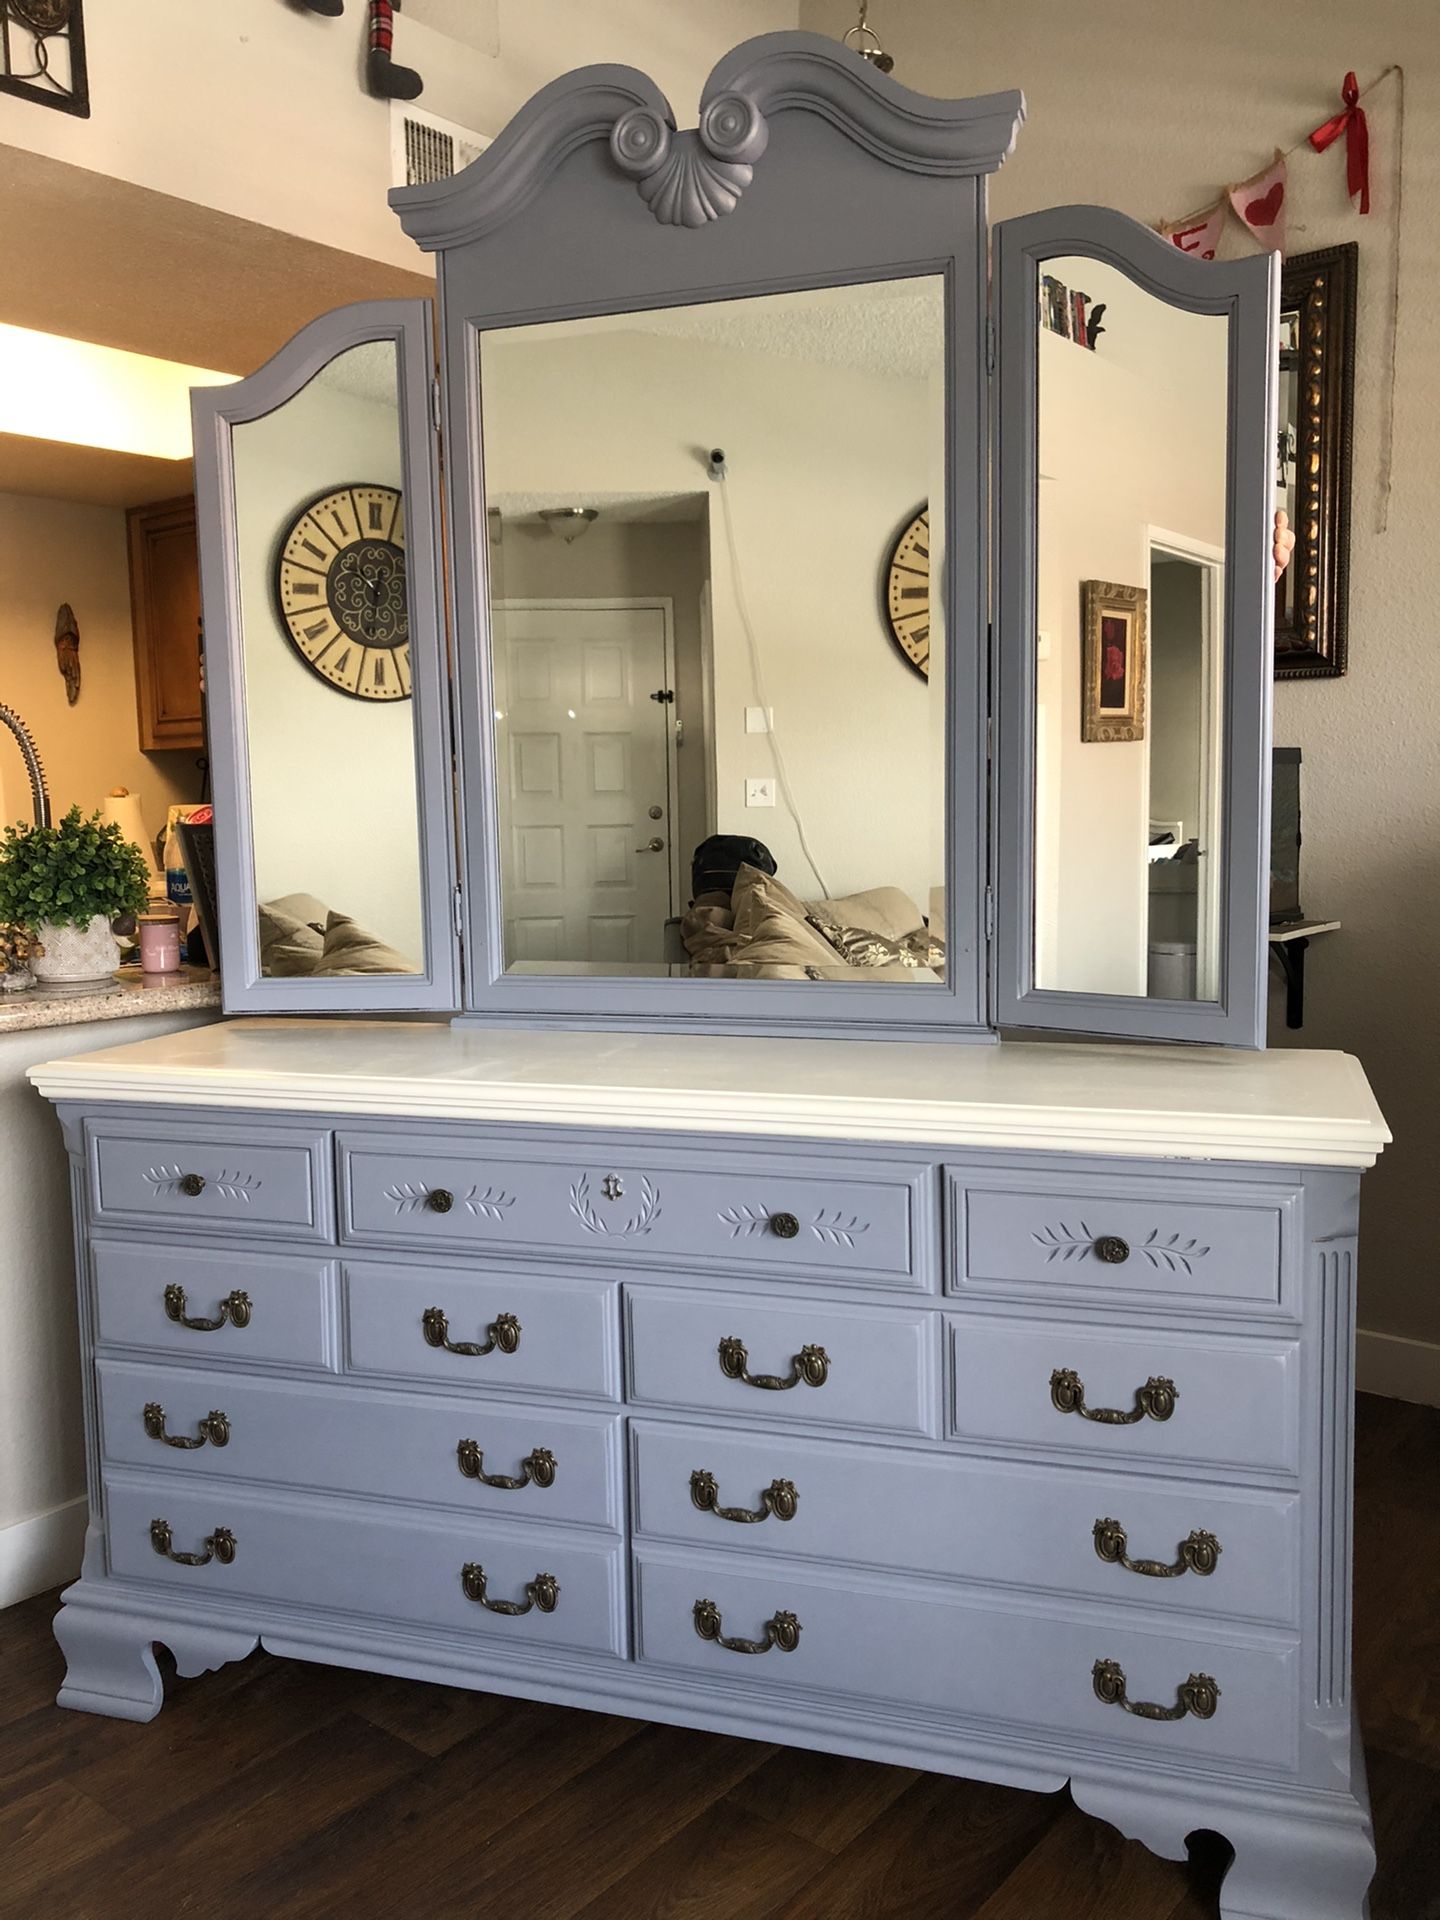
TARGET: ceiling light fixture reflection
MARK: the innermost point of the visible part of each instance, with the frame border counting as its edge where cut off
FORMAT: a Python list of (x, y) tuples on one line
[(568, 523), (52, 388)]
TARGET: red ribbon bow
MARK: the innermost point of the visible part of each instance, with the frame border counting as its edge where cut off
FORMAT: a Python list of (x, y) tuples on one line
[(1353, 124)]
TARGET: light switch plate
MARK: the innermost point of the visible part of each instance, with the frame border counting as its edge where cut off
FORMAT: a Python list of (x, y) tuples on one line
[(759, 793)]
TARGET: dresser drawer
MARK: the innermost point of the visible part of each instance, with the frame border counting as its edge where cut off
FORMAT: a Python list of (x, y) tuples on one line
[(214, 1306), (1034, 1528), (495, 1332), (372, 1563), (1221, 1242), (1235, 1400), (516, 1463), (957, 1654), (863, 1222), (213, 1180), (816, 1362)]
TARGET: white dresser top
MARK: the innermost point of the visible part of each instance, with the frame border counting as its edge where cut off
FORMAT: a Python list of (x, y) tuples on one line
[(1288, 1107)]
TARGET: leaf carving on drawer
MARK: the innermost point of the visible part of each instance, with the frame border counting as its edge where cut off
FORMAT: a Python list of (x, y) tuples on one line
[(407, 1197), (1175, 1255), (490, 1204), (838, 1231), (743, 1221), (641, 1221), (165, 1183)]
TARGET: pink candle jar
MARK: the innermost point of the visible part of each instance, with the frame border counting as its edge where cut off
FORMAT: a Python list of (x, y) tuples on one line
[(159, 943)]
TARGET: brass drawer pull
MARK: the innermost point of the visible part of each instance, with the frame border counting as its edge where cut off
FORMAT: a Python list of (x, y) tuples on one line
[(537, 1468), (1112, 1249), (779, 1498), (192, 1185), (235, 1308), (782, 1630), (784, 1226), (542, 1592), (1198, 1553), (219, 1545), (503, 1332), (1198, 1695), (1155, 1400), (215, 1428), (439, 1200), (811, 1365)]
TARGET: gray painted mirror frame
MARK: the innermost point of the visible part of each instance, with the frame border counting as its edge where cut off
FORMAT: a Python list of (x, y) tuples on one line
[(216, 412), (1246, 293), (807, 169)]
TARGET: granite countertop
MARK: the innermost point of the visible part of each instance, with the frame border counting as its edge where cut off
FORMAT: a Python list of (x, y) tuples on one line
[(128, 993)]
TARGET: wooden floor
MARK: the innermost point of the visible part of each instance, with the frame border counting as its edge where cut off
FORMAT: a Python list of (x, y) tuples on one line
[(274, 1789)]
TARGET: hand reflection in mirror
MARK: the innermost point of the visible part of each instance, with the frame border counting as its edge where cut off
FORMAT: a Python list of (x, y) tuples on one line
[(1284, 541)]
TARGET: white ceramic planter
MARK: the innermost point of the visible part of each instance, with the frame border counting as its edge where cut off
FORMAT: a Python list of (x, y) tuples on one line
[(74, 956)]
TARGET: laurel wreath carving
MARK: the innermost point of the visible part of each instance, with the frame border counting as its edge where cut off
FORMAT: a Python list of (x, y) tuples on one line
[(639, 1222), (1174, 1255), (165, 1181)]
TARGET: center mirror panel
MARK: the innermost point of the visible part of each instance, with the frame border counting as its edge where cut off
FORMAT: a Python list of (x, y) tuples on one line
[(716, 637), (1132, 455)]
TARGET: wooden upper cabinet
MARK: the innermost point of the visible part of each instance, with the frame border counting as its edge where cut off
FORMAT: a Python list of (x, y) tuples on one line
[(165, 614)]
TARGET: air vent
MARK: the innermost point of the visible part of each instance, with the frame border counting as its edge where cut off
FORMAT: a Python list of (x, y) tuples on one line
[(423, 147)]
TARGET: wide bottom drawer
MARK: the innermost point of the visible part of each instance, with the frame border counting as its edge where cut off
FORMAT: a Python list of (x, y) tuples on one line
[(941, 1651), (1176, 1545), (533, 1587), (516, 1462)]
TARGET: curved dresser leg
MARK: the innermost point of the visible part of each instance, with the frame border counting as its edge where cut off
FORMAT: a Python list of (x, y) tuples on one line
[(1296, 1857), (110, 1662)]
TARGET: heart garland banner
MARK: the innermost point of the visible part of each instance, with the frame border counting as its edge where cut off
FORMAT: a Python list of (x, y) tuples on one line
[(1260, 201)]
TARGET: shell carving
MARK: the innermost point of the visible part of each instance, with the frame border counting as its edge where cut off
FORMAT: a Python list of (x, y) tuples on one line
[(689, 179)]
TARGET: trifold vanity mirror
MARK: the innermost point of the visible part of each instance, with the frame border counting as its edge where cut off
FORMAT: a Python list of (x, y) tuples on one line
[(764, 498)]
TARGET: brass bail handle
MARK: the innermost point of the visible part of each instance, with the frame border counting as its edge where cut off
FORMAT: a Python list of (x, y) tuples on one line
[(502, 1335), (1198, 1695), (219, 1545), (214, 1428), (543, 1592), (234, 1308), (1199, 1553), (782, 1631), (1154, 1401), (779, 1498), (536, 1469), (810, 1367)]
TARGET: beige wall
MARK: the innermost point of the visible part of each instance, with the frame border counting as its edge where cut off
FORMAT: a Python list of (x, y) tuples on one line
[(260, 110), (1128, 112), (53, 551)]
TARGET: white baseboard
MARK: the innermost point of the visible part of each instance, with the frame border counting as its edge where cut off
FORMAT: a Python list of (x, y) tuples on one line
[(44, 1551), (1396, 1368)]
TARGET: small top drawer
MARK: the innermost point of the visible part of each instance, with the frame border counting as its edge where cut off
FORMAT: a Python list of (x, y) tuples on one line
[(1226, 1243), (213, 1179), (865, 1222), (213, 1306), (824, 1364)]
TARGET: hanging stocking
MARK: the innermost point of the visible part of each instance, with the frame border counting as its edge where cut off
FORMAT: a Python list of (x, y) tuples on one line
[(387, 80)]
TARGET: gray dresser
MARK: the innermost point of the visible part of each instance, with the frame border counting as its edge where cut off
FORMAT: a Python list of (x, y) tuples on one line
[(922, 1440), (761, 656)]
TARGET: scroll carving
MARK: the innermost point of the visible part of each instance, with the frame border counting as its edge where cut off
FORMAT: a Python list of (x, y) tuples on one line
[(688, 179)]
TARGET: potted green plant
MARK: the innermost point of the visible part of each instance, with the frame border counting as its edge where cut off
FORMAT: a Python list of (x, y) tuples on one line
[(66, 885)]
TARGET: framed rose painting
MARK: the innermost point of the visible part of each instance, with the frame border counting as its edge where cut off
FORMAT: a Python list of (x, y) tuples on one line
[(1112, 660)]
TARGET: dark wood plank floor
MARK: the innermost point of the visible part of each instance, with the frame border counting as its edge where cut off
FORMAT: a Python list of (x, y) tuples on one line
[(277, 1791)]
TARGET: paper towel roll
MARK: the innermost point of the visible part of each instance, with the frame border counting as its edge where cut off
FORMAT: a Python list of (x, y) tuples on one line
[(121, 808)]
